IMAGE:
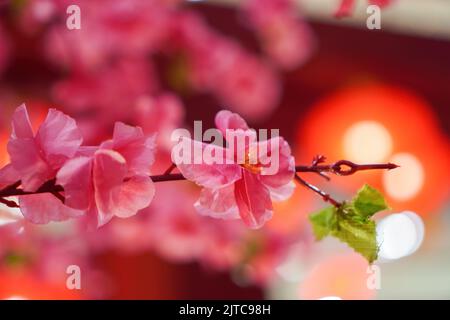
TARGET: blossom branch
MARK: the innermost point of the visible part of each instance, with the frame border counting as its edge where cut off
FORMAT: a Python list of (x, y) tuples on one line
[(341, 168)]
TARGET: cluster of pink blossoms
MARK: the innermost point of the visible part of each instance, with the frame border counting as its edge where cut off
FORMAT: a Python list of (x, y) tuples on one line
[(99, 182), (119, 41), (113, 179)]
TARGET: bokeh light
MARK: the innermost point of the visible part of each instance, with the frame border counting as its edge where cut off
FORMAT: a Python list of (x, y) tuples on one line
[(407, 181), (399, 235), (366, 142), (379, 123)]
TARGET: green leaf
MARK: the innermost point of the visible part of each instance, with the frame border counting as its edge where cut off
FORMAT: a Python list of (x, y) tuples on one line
[(361, 236), (324, 222), (368, 201), (352, 223)]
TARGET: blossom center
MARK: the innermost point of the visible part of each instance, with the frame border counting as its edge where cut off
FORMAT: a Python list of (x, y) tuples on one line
[(250, 165)]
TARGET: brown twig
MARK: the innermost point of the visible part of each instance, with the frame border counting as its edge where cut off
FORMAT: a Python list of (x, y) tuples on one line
[(342, 168), (325, 196), (171, 168), (345, 168)]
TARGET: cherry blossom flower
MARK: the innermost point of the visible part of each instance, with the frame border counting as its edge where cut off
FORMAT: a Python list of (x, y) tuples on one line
[(112, 180), (233, 190), (285, 37), (36, 158), (346, 6), (105, 181)]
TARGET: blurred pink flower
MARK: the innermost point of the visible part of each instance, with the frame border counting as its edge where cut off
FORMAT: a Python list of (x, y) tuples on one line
[(113, 180), (100, 98), (233, 190), (111, 90), (285, 37), (187, 235), (109, 29), (221, 66), (262, 254), (346, 6), (177, 233), (165, 107)]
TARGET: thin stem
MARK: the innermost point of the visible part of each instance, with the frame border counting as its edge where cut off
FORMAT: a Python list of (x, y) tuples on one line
[(171, 168), (325, 196), (9, 203), (168, 177), (342, 168), (318, 160), (345, 168)]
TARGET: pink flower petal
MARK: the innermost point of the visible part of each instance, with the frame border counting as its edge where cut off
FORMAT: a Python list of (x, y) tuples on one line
[(279, 165), (253, 200), (37, 158), (137, 149), (207, 173), (25, 157), (108, 174), (218, 203), (228, 120), (76, 179), (21, 125), (44, 208), (59, 138), (282, 193), (27, 161), (8, 176), (113, 196), (135, 194), (86, 151)]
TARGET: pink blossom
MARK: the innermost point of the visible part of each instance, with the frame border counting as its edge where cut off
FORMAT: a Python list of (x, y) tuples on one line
[(112, 180), (234, 190), (37, 157), (346, 6), (106, 181), (285, 37)]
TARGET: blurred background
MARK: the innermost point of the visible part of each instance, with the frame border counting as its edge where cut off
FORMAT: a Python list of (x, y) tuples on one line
[(332, 86)]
